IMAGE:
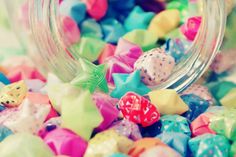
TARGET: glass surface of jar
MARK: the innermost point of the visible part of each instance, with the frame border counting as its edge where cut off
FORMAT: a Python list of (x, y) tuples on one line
[(43, 33)]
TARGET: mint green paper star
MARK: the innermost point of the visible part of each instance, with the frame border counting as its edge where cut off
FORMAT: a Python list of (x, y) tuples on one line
[(91, 77), (128, 83)]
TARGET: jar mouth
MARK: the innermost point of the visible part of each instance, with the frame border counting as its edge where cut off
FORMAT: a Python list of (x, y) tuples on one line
[(60, 60)]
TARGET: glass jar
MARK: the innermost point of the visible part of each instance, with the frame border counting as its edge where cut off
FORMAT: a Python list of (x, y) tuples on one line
[(46, 37)]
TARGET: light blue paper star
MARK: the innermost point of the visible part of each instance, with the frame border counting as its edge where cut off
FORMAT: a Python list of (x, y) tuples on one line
[(112, 29), (128, 83)]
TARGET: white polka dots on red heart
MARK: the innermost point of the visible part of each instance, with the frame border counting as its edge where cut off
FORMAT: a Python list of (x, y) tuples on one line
[(155, 66)]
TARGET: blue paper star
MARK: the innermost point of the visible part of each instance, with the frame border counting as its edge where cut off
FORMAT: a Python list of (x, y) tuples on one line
[(112, 29), (73, 8), (127, 83), (4, 79), (176, 124), (177, 141), (196, 106)]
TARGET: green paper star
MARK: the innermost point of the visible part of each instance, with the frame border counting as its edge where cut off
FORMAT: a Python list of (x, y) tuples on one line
[(224, 123), (80, 114), (128, 83), (143, 38), (182, 6), (91, 77), (89, 48), (230, 32)]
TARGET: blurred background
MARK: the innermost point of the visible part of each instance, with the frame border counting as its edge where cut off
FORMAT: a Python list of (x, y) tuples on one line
[(9, 44)]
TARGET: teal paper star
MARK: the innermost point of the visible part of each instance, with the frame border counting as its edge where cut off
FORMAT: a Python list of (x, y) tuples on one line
[(91, 77), (138, 19), (128, 83)]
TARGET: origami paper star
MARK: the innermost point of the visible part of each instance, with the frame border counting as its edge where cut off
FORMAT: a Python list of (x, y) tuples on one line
[(199, 90), (70, 30), (4, 79), (128, 129), (2, 107), (56, 95), (196, 106), (224, 123), (24, 72), (176, 48), (144, 144), (190, 27), (24, 144), (12, 95), (143, 38), (220, 89), (177, 141), (108, 51), (126, 54), (96, 8), (91, 28), (3, 70), (155, 65), (128, 83), (73, 8), (80, 114), (175, 123), (112, 30), (138, 109), (4, 132), (209, 145), (28, 117), (107, 107), (151, 131), (116, 64), (65, 142), (201, 124), (168, 101), (118, 155), (91, 77), (233, 149), (87, 48), (171, 18), (138, 13), (230, 99), (182, 6), (160, 151), (106, 143)]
